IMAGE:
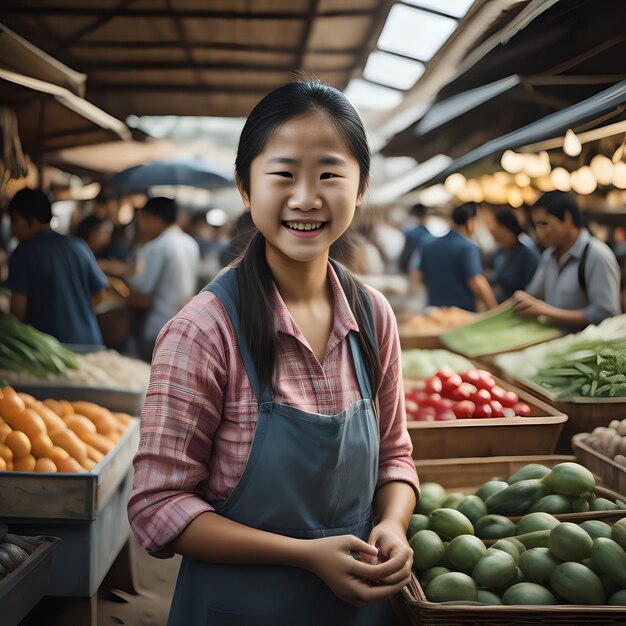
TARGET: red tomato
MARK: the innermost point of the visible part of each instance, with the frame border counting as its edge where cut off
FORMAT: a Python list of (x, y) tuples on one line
[(485, 383), (417, 395), (463, 392), (480, 396), (497, 410), (433, 385), (510, 399), (497, 393), (446, 414), (464, 409), (444, 373), (522, 409), (425, 414), (450, 384), (482, 410), (471, 376)]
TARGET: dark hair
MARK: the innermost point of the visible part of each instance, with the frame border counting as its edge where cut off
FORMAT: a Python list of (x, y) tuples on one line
[(508, 218), (31, 204), (419, 210), (88, 224), (557, 204), (162, 207), (254, 274), (463, 213)]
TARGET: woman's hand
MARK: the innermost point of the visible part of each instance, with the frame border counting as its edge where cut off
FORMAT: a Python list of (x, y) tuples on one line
[(357, 579), (393, 548)]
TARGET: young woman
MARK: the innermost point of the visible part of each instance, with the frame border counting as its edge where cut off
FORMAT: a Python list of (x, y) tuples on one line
[(274, 454)]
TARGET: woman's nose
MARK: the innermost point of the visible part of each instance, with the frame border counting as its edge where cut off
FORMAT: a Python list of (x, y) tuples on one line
[(305, 196)]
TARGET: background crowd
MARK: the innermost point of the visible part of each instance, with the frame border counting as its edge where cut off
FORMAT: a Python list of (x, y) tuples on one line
[(123, 281)]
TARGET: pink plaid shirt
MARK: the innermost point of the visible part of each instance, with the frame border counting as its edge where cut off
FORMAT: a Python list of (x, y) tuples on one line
[(200, 412)]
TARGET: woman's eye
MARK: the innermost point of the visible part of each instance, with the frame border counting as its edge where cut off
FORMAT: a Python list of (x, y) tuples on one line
[(327, 175), (283, 174)]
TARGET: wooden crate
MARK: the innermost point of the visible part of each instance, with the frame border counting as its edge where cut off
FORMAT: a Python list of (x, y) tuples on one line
[(80, 496), (466, 475), (583, 415), (612, 474), (495, 436), (409, 341), (418, 611)]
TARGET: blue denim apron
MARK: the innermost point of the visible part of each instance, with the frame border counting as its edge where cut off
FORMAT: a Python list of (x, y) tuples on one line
[(308, 475)]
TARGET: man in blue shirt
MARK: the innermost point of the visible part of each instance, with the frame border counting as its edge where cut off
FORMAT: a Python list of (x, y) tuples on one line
[(54, 280), (451, 268), (578, 278), (415, 239)]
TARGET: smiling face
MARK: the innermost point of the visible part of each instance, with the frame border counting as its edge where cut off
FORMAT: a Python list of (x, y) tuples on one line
[(304, 188)]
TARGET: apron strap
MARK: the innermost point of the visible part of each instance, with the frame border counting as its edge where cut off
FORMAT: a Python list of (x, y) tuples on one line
[(369, 331), (227, 291)]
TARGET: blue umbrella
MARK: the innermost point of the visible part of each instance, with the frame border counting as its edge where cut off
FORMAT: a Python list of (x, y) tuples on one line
[(190, 172)]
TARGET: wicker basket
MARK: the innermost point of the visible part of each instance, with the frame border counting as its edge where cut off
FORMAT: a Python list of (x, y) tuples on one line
[(610, 473), (417, 610), (466, 475)]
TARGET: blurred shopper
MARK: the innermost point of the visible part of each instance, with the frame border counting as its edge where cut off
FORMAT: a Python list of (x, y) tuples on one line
[(578, 278), (54, 280), (96, 232), (515, 260), (415, 239), (451, 267), (167, 275)]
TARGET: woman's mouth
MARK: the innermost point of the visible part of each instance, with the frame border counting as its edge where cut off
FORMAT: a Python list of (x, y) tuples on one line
[(304, 229)]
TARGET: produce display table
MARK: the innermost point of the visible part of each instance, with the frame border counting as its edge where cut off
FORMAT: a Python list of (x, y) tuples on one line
[(86, 511)]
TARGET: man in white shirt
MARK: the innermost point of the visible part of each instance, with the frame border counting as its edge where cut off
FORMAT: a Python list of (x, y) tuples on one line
[(167, 277)]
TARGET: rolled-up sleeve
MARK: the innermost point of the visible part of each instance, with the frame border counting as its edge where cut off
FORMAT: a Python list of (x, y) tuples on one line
[(396, 461), (180, 415), (603, 286)]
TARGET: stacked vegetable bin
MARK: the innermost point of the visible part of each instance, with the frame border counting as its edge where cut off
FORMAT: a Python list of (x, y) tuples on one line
[(66, 449), (464, 459)]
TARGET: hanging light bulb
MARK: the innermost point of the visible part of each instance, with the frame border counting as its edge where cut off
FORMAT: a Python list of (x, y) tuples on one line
[(583, 181), (561, 179), (619, 153), (512, 162), (502, 178), (544, 183), (602, 168), (454, 183), (571, 144), (619, 175), (530, 195), (474, 191), (515, 197), (522, 179)]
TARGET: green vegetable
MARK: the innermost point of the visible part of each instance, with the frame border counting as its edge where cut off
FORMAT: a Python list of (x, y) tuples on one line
[(425, 363), (25, 349), (497, 332), (590, 369)]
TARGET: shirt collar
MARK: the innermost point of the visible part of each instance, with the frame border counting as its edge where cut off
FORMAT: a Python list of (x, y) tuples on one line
[(343, 321), (577, 248)]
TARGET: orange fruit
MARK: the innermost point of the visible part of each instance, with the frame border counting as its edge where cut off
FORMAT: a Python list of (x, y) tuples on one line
[(57, 455), (24, 464), (30, 423), (69, 465), (44, 465), (5, 429), (41, 446), (5, 452), (19, 444)]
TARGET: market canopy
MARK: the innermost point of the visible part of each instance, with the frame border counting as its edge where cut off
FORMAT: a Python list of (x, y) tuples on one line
[(198, 58), (564, 55), (606, 107)]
